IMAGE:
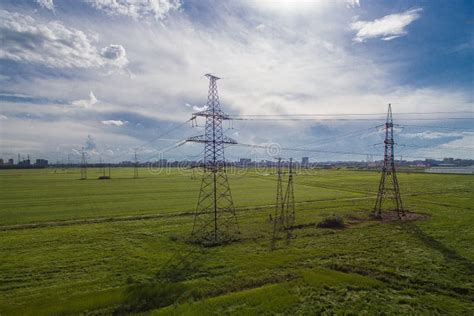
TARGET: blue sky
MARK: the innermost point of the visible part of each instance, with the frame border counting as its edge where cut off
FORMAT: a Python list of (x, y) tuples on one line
[(118, 74)]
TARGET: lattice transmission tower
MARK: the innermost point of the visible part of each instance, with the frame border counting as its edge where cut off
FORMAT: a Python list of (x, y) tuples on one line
[(83, 165), (289, 200), (388, 187), (284, 217), (215, 221), (135, 166), (277, 219)]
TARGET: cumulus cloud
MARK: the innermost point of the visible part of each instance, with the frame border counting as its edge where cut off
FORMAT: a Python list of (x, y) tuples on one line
[(47, 4), (86, 103), (388, 27), (115, 54), (114, 122), (136, 8), (52, 44)]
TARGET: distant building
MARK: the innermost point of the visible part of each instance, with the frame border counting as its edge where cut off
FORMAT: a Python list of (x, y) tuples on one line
[(305, 161), (1, 162), (24, 163), (10, 161), (41, 163), (448, 160), (245, 161)]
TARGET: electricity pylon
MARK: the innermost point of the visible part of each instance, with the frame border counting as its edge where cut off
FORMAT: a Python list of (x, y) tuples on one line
[(285, 205), (214, 221), (277, 219), (388, 187), (83, 165), (135, 166), (289, 200)]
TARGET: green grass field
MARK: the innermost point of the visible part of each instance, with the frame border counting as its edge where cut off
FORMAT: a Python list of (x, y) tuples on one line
[(72, 246)]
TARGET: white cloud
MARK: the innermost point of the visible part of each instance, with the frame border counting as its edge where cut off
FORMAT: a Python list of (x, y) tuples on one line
[(388, 27), (436, 135), (199, 109), (136, 8), (467, 142), (115, 54), (47, 4), (299, 7), (52, 44), (353, 3), (90, 143), (3, 117), (114, 122), (86, 103), (54, 140), (459, 148)]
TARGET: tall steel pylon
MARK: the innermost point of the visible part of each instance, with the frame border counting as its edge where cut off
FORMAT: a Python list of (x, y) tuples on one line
[(135, 166), (277, 219), (215, 221), (83, 165), (289, 200), (388, 187), (285, 205)]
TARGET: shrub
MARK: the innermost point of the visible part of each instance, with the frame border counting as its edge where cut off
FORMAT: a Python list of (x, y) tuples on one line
[(331, 222)]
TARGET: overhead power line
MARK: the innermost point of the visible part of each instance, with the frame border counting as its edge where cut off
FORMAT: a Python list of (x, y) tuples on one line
[(307, 150), (346, 119), (353, 114), (437, 127), (352, 153)]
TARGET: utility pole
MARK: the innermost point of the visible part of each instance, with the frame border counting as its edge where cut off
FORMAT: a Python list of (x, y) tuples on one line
[(215, 221), (135, 166), (388, 186), (83, 165)]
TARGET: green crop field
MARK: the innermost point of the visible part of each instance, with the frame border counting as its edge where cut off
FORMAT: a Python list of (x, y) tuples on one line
[(72, 246)]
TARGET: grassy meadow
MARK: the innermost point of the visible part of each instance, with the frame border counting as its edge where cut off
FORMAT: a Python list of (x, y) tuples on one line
[(117, 246)]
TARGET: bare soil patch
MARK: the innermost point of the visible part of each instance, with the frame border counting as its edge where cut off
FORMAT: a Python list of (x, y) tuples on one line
[(390, 216)]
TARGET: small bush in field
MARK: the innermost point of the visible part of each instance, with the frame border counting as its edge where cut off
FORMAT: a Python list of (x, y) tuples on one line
[(331, 222)]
